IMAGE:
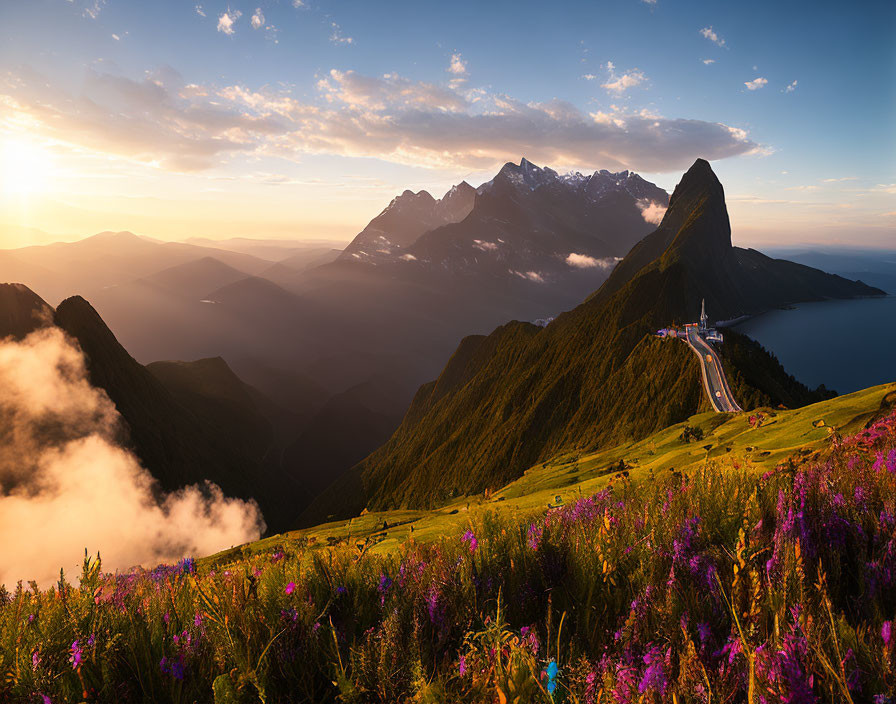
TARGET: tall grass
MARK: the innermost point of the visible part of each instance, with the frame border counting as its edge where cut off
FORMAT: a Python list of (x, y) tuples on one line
[(714, 587)]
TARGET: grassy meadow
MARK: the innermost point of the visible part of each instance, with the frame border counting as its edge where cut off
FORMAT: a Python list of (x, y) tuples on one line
[(700, 569)]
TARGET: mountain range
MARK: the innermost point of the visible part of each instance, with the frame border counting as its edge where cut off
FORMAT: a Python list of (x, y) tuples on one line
[(324, 351), (596, 374)]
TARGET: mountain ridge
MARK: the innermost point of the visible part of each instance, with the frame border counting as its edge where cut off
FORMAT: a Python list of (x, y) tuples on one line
[(594, 375)]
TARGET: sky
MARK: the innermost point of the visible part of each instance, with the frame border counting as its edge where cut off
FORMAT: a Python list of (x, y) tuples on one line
[(303, 118)]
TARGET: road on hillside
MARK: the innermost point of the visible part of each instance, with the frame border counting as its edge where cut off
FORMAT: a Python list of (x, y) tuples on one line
[(714, 380)]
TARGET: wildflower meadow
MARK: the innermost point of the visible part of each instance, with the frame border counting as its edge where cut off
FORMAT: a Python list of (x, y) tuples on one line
[(714, 586)]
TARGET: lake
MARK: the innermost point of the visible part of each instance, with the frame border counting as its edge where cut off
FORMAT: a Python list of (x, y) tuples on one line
[(845, 345)]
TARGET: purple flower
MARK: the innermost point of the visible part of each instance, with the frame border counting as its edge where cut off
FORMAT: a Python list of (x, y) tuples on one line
[(654, 678), (533, 536), (290, 588), (197, 620), (45, 699), (462, 666), (886, 632), (470, 538), (77, 656), (341, 591), (35, 660), (187, 565), (385, 583)]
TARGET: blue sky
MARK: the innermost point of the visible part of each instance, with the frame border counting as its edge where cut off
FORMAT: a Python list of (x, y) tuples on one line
[(270, 119)]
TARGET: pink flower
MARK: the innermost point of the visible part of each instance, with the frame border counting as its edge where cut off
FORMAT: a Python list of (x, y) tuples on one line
[(290, 588)]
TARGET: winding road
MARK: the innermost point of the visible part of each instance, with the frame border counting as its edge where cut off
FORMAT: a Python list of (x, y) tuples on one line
[(714, 381)]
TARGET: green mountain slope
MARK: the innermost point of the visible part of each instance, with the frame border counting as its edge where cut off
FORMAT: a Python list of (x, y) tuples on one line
[(596, 375)]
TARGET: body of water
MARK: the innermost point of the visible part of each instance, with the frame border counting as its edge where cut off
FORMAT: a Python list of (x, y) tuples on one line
[(845, 345)]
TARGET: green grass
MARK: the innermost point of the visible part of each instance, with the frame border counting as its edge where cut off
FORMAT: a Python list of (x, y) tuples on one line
[(730, 439)]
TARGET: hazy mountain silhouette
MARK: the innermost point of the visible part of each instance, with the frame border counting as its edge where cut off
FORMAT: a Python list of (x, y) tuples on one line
[(187, 421)]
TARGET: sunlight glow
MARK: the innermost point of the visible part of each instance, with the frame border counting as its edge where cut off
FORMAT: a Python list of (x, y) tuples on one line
[(26, 168)]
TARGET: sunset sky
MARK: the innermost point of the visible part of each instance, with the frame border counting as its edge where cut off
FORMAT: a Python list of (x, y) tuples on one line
[(284, 118)]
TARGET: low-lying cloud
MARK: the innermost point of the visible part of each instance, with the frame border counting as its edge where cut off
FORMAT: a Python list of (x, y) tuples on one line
[(66, 482), (583, 261), (164, 121), (652, 211)]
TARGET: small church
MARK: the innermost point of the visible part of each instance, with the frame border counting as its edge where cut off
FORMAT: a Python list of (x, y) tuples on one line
[(707, 332)]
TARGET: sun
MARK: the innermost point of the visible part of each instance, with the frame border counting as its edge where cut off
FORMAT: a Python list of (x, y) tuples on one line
[(26, 168)]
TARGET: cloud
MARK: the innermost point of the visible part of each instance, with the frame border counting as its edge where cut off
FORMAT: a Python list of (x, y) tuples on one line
[(589, 77), (709, 61), (257, 20), (66, 484), (227, 20), (619, 84), (710, 33), (529, 276), (583, 261), (93, 9), (163, 121), (652, 211), (337, 37), (756, 83), (457, 66), (297, 4), (116, 37), (199, 10), (790, 87)]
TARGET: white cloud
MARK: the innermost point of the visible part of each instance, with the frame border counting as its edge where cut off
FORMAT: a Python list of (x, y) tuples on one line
[(116, 37), (297, 4), (583, 261), (227, 20), (652, 211), (530, 276), (790, 87), (93, 9), (710, 33), (257, 20), (337, 37), (589, 77), (176, 125), (756, 83), (75, 487), (199, 10), (619, 84), (709, 61), (457, 66)]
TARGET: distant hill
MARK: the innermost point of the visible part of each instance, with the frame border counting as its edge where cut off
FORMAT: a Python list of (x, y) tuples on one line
[(106, 260), (195, 279), (596, 374)]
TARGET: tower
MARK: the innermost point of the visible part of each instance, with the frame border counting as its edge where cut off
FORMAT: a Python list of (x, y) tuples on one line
[(703, 316)]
